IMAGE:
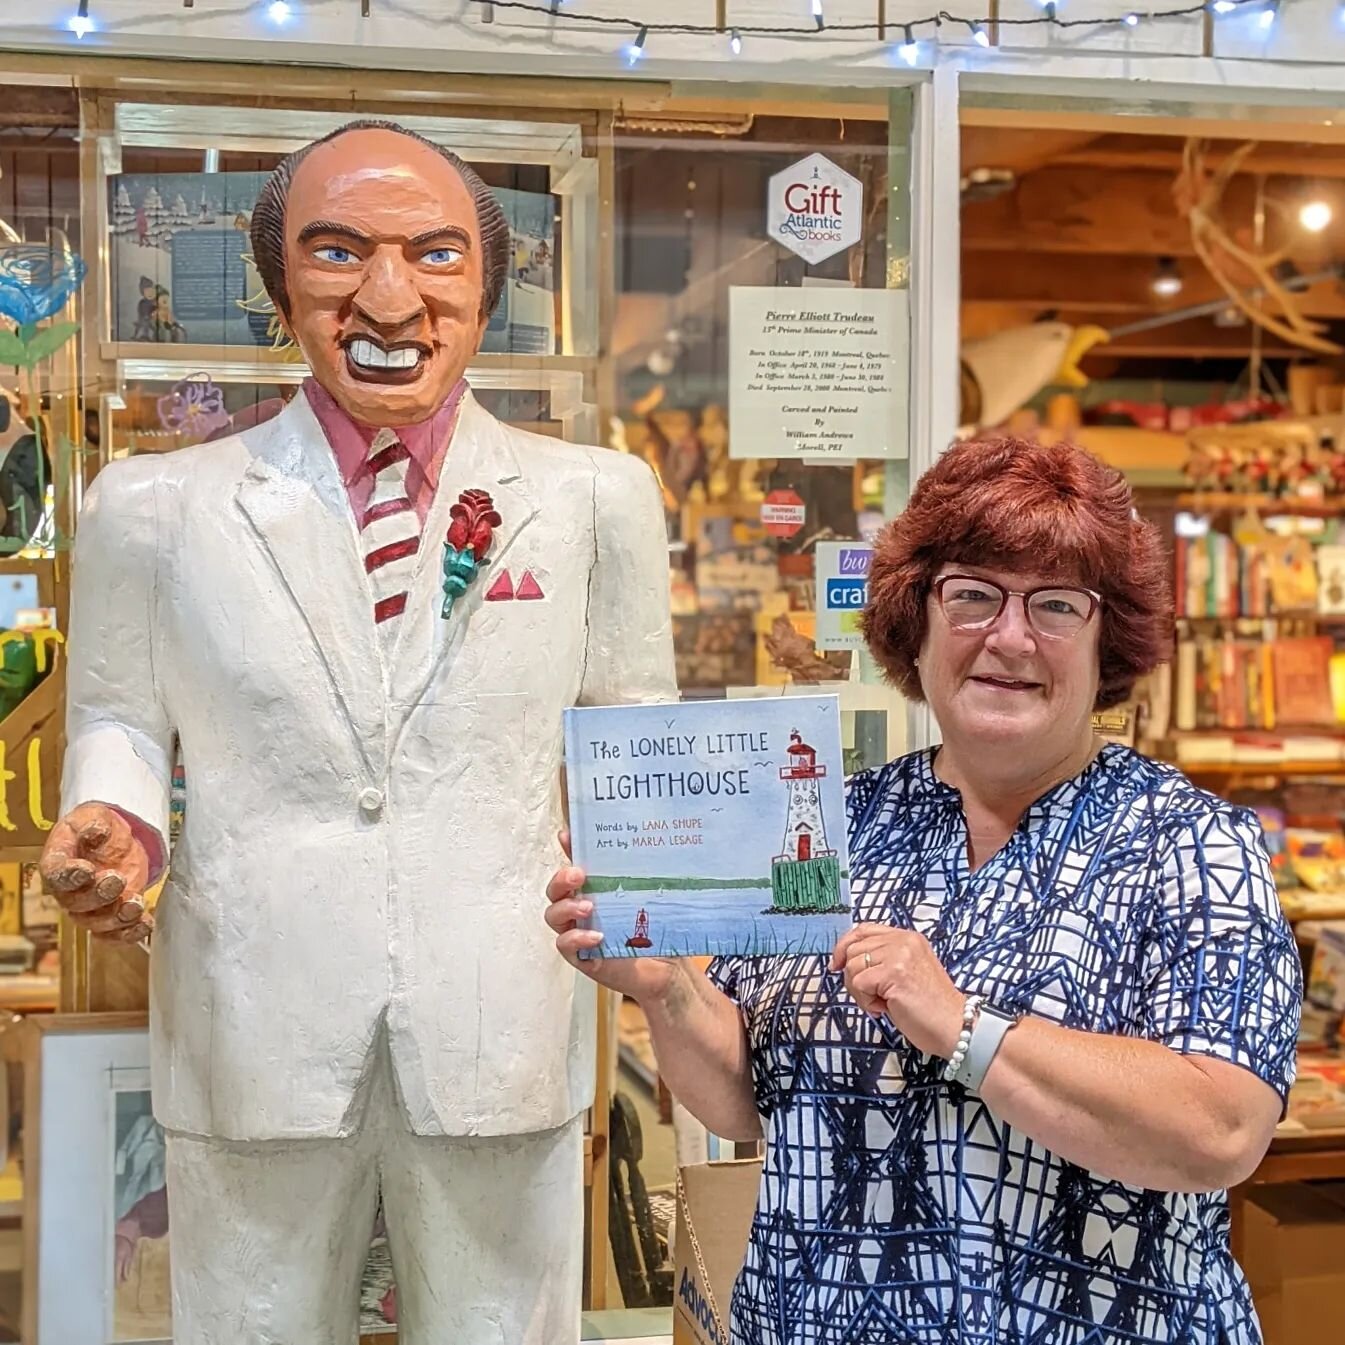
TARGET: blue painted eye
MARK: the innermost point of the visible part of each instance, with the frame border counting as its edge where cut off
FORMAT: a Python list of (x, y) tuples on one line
[(339, 256), (443, 256)]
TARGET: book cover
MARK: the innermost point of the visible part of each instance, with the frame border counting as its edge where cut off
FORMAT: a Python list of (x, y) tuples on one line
[(1303, 680), (714, 827), (1331, 580)]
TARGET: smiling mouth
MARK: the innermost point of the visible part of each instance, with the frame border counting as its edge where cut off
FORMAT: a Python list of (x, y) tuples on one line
[(371, 362), (1006, 683)]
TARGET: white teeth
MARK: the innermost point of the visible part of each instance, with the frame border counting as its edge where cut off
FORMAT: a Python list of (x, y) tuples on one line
[(369, 356)]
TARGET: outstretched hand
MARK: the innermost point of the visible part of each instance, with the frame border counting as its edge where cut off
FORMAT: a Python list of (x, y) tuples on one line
[(97, 870)]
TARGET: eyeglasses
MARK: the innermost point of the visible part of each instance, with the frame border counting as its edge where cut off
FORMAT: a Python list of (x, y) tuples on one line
[(971, 603)]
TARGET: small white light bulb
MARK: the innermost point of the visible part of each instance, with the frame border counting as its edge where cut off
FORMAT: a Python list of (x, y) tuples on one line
[(1315, 216), (1223, 6), (1266, 18), (736, 43), (278, 12), (980, 36), (1131, 20)]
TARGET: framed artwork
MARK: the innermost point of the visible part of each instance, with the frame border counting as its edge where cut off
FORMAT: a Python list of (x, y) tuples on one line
[(95, 1195)]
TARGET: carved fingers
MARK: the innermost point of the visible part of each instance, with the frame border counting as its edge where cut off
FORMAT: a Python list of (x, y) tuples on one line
[(96, 868)]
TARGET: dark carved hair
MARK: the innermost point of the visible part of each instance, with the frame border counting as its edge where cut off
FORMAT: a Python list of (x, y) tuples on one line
[(268, 218), (1051, 509)]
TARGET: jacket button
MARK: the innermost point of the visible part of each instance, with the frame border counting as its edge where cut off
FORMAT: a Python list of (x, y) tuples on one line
[(371, 801)]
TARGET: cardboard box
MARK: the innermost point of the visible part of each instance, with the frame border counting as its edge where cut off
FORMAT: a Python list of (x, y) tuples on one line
[(715, 1202), (1294, 1257)]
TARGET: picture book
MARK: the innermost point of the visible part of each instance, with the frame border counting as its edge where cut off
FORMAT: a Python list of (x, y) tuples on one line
[(711, 827)]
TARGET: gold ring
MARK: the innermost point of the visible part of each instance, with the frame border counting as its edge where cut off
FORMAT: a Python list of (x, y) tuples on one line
[(868, 961)]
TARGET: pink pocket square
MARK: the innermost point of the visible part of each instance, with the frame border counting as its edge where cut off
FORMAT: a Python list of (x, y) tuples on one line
[(503, 589)]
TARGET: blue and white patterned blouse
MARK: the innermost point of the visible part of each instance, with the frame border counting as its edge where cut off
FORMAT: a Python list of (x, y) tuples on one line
[(896, 1209)]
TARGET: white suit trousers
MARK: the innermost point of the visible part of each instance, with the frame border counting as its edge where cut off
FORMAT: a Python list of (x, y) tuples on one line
[(269, 1239)]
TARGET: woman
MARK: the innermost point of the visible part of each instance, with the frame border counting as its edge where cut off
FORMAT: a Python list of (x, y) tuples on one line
[(1090, 944)]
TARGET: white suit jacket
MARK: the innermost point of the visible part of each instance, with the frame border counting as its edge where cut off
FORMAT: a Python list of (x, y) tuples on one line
[(358, 854)]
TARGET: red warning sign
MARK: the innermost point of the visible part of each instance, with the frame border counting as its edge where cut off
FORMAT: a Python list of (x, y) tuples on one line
[(782, 513)]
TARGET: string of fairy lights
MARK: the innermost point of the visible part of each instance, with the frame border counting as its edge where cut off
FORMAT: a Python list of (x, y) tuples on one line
[(811, 21)]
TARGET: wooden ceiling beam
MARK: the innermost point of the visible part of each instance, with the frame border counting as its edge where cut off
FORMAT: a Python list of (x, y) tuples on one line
[(39, 106), (1073, 210), (1195, 338), (1268, 162), (1115, 285), (1322, 126)]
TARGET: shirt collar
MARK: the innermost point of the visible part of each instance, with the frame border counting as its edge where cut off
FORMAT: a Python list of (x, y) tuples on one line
[(351, 441)]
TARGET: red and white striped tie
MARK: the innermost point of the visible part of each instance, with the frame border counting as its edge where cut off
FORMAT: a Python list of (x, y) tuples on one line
[(390, 531)]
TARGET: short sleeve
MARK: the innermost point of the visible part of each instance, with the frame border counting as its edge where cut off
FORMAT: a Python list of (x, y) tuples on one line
[(1222, 974), (740, 978), (723, 973)]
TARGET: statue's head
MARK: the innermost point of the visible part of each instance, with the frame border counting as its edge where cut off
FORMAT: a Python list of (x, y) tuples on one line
[(385, 256)]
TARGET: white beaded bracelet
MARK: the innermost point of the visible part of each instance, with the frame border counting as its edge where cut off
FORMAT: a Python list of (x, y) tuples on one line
[(970, 1012)]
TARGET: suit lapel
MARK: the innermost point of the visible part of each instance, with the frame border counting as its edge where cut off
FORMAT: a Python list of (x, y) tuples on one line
[(296, 502), (479, 457)]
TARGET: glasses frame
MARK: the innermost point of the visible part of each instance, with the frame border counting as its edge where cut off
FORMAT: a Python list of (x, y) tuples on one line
[(1094, 602)]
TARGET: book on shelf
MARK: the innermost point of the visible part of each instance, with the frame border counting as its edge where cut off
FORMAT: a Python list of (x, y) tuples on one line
[(1261, 749), (1302, 680), (1232, 680), (711, 827), (1225, 681), (1331, 580), (1215, 575)]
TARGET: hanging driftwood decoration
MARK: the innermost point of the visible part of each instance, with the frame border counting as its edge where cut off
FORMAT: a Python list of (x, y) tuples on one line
[(1245, 274)]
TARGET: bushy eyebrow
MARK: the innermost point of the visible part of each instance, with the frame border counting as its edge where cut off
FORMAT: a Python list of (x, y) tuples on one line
[(331, 229)]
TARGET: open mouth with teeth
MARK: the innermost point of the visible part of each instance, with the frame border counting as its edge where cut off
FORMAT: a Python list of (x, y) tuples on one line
[(1006, 683), (371, 362)]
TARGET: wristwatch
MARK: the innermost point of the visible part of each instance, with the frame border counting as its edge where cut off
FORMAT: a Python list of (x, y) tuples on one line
[(987, 1036)]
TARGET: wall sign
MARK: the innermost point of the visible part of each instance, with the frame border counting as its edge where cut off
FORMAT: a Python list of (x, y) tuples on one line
[(842, 575), (782, 513), (818, 373), (815, 208)]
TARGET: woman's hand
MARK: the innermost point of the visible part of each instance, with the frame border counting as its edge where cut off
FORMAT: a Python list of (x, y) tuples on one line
[(639, 977), (894, 973)]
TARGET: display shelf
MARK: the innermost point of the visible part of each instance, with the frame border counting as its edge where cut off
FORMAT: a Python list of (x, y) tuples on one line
[(29, 992), (1242, 769), (554, 143), (1279, 731), (1214, 501), (567, 380)]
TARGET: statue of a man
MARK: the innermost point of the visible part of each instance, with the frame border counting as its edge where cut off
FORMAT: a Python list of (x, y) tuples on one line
[(350, 985)]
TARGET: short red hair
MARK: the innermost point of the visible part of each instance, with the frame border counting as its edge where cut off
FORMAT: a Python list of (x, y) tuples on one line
[(1008, 503)]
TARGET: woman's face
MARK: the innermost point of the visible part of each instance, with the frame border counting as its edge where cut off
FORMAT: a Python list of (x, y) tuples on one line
[(1005, 685)]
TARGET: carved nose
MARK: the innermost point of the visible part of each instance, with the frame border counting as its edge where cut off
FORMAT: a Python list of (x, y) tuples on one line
[(388, 297)]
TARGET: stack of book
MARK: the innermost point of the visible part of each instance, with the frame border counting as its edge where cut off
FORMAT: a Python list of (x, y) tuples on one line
[(1218, 576), (1230, 681)]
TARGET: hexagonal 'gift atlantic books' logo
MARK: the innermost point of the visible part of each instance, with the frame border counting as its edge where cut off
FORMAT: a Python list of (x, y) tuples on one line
[(815, 208)]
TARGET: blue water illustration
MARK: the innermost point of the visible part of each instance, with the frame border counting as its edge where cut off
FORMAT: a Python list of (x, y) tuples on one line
[(722, 921)]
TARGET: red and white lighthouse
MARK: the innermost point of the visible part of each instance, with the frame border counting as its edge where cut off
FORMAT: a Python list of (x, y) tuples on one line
[(805, 827)]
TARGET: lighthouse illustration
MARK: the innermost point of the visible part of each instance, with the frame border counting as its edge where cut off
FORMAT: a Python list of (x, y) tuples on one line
[(806, 874)]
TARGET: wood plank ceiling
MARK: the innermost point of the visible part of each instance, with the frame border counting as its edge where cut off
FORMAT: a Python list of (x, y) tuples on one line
[(1081, 219)]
